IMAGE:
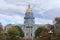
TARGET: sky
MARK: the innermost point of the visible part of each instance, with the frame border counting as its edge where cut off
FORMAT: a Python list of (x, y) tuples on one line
[(13, 11)]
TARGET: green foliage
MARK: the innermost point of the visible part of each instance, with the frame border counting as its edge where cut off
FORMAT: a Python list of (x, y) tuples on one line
[(1, 35), (21, 32), (39, 30), (58, 34), (15, 32)]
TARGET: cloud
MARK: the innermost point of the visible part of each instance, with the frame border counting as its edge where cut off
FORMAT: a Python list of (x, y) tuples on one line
[(4, 5), (51, 14), (43, 21), (14, 10), (5, 19)]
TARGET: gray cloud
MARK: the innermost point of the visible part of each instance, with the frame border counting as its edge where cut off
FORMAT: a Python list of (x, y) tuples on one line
[(42, 9), (11, 12), (51, 14)]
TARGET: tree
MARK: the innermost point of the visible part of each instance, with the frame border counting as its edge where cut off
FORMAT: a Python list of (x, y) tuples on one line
[(45, 35), (1, 27), (57, 19), (57, 22), (57, 34), (39, 31), (21, 32), (1, 35), (13, 33), (1, 32)]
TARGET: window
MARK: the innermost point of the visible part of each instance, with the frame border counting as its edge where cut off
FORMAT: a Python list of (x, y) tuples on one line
[(31, 34), (26, 34)]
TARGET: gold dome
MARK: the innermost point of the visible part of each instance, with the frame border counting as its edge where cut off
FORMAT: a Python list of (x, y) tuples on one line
[(29, 9)]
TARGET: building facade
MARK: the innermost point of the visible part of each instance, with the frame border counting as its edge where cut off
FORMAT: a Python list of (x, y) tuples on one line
[(29, 25)]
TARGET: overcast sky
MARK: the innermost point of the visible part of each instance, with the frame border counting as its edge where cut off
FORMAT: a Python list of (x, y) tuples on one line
[(12, 11)]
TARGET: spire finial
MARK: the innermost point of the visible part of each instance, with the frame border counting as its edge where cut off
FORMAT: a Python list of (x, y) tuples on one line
[(29, 9), (29, 5)]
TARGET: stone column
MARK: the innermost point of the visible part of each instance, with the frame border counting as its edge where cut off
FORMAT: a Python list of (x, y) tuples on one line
[(29, 34)]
